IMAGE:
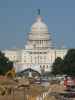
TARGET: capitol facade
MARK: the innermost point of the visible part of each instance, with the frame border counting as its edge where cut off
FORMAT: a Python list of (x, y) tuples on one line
[(39, 52)]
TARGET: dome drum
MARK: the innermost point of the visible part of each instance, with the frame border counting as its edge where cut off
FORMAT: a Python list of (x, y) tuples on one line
[(38, 36)]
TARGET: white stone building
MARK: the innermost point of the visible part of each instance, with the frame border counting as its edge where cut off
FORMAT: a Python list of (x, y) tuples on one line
[(39, 52)]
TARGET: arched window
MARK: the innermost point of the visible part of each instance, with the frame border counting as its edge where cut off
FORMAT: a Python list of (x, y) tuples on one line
[(40, 66), (43, 66), (47, 66)]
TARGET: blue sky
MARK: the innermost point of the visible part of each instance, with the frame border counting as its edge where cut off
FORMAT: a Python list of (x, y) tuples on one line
[(17, 16)]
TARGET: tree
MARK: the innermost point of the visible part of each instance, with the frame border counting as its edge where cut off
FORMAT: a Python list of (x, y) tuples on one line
[(5, 64), (69, 63), (65, 66), (57, 66)]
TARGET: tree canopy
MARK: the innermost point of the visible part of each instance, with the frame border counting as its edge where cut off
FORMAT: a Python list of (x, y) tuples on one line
[(56, 67), (65, 66), (69, 62), (5, 64)]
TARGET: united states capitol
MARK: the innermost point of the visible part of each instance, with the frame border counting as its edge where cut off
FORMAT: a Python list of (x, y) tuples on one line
[(39, 52)]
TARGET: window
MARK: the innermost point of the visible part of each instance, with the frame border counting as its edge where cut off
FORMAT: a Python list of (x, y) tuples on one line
[(24, 60), (43, 66), (47, 66), (40, 66)]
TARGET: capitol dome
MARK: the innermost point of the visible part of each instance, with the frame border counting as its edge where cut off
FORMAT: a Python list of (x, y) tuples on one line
[(39, 26)]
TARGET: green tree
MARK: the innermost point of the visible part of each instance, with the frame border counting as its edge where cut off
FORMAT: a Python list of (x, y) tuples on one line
[(65, 66), (57, 66), (69, 63), (5, 64)]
